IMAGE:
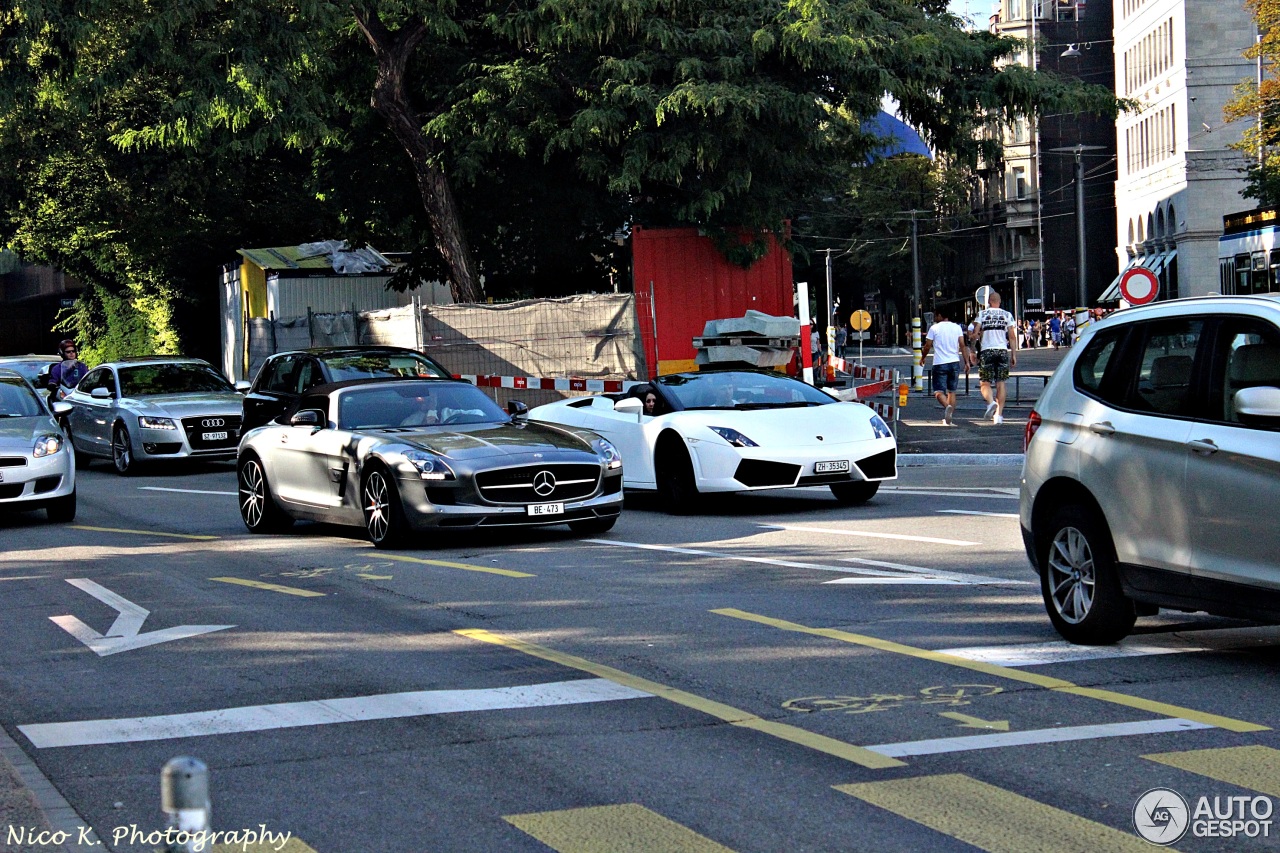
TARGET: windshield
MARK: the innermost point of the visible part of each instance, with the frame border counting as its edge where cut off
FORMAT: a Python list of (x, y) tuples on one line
[(740, 390), (184, 378), (416, 404), (30, 369), (17, 400), (377, 365)]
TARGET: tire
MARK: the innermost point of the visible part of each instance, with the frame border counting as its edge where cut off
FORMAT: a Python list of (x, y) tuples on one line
[(122, 451), (593, 526), (258, 508), (61, 510), (677, 488), (853, 494), (1078, 579), (384, 519)]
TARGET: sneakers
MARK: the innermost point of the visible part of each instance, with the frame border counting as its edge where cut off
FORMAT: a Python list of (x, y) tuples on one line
[(999, 419), (991, 409), (946, 415)]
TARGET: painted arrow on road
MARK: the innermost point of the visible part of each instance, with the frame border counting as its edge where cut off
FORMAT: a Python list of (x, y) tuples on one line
[(123, 635), (967, 722)]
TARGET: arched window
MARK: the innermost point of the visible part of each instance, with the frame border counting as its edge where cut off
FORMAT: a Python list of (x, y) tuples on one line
[(1130, 232), (1151, 232), (1160, 223), (1172, 220), (1141, 234)]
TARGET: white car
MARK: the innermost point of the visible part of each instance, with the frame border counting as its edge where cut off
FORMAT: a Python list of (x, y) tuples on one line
[(37, 464), (736, 431)]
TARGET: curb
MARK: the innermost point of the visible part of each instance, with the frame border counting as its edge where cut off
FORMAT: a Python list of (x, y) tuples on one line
[(57, 812), (988, 460)]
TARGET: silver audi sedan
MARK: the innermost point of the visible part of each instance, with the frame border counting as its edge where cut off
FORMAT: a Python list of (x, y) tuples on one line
[(154, 409), (398, 456), (37, 469)]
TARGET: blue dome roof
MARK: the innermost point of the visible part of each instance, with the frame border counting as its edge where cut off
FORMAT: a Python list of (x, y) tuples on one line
[(900, 139)]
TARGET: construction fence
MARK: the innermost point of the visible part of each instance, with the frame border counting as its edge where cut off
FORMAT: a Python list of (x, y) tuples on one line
[(591, 337)]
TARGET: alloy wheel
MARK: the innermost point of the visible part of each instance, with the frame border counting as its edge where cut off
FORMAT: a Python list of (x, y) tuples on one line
[(252, 494), (377, 506), (121, 453), (1071, 575)]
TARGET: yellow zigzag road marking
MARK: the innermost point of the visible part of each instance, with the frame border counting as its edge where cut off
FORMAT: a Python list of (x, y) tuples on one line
[(1049, 682), (728, 713)]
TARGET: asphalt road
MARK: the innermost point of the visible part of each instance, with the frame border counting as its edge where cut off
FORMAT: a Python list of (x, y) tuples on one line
[(776, 673)]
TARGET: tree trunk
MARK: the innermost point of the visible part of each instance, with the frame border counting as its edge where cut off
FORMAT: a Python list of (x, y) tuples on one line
[(390, 100)]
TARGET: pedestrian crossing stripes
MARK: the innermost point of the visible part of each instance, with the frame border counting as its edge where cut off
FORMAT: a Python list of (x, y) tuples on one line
[(627, 828), (991, 818)]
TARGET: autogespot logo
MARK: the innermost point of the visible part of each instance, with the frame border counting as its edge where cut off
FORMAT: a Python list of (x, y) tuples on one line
[(1161, 816)]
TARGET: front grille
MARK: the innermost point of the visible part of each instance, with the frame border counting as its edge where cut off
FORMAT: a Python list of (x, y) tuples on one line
[(12, 461), (881, 466), (517, 485), (195, 429), (759, 472), (11, 490), (47, 484)]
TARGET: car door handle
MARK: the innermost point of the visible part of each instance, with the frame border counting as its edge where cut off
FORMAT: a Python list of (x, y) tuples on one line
[(1203, 446), (1102, 428)]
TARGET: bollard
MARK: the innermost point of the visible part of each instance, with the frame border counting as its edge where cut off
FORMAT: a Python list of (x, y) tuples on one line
[(184, 797)]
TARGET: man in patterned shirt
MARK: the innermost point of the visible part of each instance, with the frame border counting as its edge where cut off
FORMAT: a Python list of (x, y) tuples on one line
[(998, 334)]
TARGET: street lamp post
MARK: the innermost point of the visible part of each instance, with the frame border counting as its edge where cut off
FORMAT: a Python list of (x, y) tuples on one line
[(1082, 273)]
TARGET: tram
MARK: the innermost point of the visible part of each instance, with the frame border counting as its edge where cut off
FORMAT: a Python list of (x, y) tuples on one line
[(1249, 252)]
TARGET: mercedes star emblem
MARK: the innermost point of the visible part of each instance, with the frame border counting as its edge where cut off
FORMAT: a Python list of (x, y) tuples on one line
[(544, 483)]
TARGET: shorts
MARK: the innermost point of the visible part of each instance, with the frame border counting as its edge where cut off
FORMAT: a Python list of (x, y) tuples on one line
[(994, 365), (946, 377)]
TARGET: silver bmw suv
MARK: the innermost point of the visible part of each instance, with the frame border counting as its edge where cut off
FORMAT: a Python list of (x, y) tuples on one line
[(1152, 470)]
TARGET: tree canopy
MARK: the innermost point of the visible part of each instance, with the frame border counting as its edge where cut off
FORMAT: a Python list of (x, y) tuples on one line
[(503, 140), (1262, 178)]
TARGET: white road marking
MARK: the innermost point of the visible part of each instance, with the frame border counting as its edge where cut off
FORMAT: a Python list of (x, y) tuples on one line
[(838, 532), (123, 634), (993, 741), (975, 512), (187, 491), (1041, 654), (698, 552), (256, 718), (955, 577), (958, 493)]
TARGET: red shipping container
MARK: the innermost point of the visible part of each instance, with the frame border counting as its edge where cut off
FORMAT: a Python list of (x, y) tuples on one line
[(682, 281)]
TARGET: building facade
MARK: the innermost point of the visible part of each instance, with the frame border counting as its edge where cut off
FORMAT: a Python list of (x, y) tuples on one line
[(1039, 221), (1176, 172)]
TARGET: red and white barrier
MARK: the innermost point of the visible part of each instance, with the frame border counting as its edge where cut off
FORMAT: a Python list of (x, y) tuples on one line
[(534, 383)]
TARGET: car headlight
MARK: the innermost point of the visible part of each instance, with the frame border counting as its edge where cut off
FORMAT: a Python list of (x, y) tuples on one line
[(612, 458), (880, 428), (156, 423), (47, 445), (734, 437), (430, 466)]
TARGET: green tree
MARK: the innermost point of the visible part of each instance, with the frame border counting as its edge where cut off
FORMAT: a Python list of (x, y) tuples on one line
[(1251, 101)]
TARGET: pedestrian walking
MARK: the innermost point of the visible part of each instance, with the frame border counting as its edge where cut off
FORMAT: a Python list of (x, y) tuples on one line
[(1055, 330), (946, 340), (842, 340), (999, 353)]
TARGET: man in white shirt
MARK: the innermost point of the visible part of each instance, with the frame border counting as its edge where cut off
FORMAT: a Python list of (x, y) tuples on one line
[(999, 341), (947, 342)]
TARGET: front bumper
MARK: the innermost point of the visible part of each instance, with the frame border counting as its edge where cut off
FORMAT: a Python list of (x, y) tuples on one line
[(721, 467), (40, 481), (424, 513), (151, 445)]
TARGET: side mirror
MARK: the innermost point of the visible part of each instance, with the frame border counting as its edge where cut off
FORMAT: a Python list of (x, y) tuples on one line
[(629, 406), (313, 418), (517, 409), (243, 386), (100, 393), (1260, 403), (61, 408)]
